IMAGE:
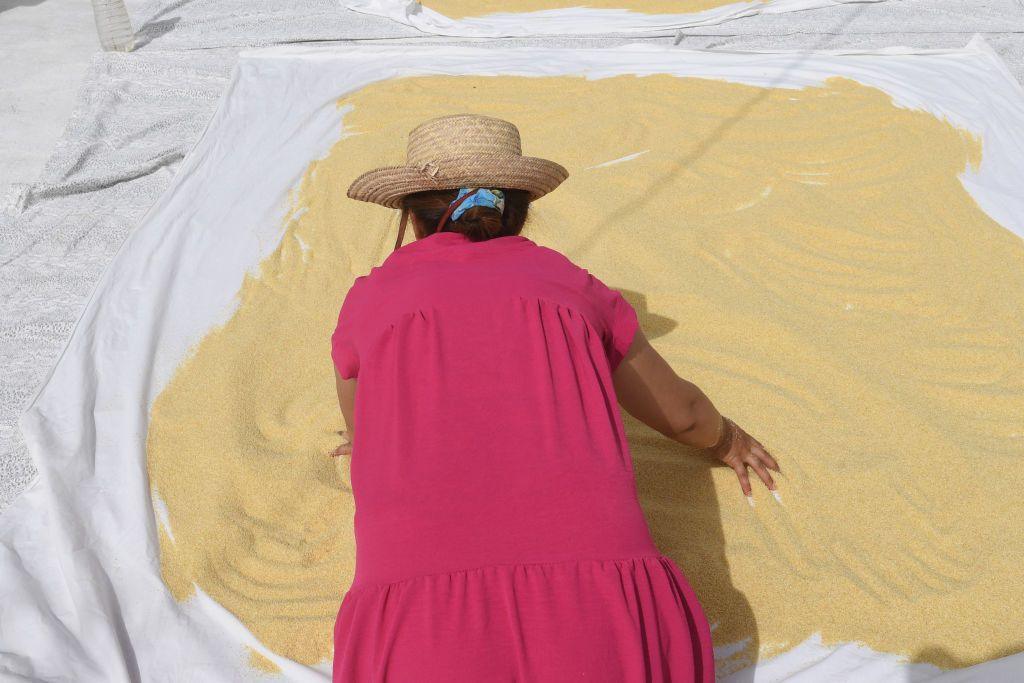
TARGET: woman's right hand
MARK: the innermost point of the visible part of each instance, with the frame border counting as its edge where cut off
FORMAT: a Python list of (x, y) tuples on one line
[(739, 450), (650, 390)]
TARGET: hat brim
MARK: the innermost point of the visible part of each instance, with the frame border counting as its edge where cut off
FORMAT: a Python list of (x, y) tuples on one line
[(386, 186)]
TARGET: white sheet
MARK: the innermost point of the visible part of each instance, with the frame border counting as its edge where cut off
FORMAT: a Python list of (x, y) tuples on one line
[(81, 596), (572, 20)]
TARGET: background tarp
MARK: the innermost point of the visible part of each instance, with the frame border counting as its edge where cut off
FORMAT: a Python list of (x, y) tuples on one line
[(80, 552), (566, 17)]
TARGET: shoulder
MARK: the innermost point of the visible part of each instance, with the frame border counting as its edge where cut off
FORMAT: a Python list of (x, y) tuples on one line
[(588, 291), (576, 274), (367, 284), (360, 287), (551, 254), (357, 297), (559, 262), (390, 272)]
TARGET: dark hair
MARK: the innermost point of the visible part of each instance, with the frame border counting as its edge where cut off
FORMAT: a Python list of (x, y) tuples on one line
[(478, 222)]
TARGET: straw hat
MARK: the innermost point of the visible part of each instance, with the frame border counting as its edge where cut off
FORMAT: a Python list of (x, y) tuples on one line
[(461, 150)]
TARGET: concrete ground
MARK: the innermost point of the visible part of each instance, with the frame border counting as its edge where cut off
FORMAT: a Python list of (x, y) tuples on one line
[(45, 47)]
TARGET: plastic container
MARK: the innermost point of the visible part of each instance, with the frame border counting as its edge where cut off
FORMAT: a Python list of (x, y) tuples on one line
[(113, 25)]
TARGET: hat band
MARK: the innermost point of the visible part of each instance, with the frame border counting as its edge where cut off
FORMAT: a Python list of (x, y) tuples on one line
[(429, 168), (439, 167)]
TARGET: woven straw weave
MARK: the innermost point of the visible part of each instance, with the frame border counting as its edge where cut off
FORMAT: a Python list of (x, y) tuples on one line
[(460, 150)]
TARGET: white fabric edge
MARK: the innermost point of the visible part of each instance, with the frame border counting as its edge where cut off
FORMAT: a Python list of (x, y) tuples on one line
[(572, 21)]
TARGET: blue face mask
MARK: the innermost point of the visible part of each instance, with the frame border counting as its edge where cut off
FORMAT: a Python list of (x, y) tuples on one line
[(481, 197)]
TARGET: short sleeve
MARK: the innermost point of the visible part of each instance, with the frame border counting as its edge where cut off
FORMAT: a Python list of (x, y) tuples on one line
[(344, 351), (620, 320)]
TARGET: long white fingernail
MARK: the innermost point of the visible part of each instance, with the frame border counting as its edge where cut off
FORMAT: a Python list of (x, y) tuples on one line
[(777, 496), (750, 499)]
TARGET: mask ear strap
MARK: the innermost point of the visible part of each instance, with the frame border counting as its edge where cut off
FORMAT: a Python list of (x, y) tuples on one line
[(401, 228), (451, 209)]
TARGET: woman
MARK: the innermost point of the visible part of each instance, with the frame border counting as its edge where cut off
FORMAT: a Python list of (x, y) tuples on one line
[(498, 530)]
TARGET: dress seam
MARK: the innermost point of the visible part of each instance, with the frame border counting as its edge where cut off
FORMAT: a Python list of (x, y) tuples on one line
[(385, 584), (372, 338)]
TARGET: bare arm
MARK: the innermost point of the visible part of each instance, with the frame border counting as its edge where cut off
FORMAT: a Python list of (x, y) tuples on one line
[(346, 401), (651, 391)]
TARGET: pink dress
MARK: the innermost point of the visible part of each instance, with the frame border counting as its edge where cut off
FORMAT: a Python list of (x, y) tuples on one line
[(499, 535)]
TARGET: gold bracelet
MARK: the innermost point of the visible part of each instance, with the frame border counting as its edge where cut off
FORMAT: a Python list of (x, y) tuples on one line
[(721, 434)]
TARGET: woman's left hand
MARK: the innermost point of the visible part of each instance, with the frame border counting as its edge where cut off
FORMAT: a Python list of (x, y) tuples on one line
[(345, 448)]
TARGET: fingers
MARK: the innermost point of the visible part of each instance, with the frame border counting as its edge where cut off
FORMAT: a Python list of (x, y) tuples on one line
[(748, 452), (765, 456), (745, 451), (762, 472), (759, 452), (741, 471)]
